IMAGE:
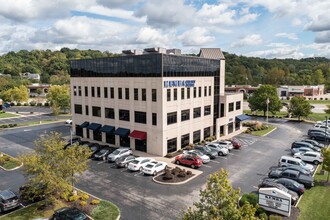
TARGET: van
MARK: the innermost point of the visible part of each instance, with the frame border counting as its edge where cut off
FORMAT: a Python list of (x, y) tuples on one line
[(286, 161)]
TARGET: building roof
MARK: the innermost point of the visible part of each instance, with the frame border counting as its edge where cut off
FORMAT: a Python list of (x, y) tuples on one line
[(211, 53)]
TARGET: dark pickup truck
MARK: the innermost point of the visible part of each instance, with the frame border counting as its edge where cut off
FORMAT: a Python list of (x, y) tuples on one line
[(308, 181)]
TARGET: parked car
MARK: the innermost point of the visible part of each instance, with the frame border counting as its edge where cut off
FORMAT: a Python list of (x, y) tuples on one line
[(294, 175), (188, 160), (207, 151), (8, 200), (124, 161), (319, 136), (298, 144), (69, 213), (288, 183), (300, 149), (103, 153), (286, 161), (322, 126), (314, 143), (294, 195), (297, 168), (236, 144), (222, 151), (94, 147), (139, 163), (68, 122), (317, 130), (154, 167), (309, 156), (120, 152), (226, 144), (196, 153)]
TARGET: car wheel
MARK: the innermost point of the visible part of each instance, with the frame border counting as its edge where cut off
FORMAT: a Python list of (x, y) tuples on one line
[(126, 165), (220, 153), (193, 166), (313, 138), (177, 162), (141, 168), (155, 173), (316, 162)]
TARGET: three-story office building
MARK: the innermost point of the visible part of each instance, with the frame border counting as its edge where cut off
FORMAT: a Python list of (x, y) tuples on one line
[(158, 101)]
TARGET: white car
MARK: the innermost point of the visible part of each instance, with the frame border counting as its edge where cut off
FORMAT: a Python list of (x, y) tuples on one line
[(120, 152), (227, 144), (309, 156), (68, 122), (220, 149), (139, 163), (196, 153), (154, 167)]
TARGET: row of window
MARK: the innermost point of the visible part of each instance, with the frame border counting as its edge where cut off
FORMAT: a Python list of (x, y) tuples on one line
[(123, 115), (231, 106), (185, 114), (185, 93), (122, 93)]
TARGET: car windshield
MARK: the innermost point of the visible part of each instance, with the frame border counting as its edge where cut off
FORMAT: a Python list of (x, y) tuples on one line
[(302, 163), (116, 152), (93, 148), (103, 151), (207, 149), (135, 161), (198, 153), (150, 166)]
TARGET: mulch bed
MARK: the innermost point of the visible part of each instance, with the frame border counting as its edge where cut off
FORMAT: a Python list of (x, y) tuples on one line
[(177, 175), (175, 179)]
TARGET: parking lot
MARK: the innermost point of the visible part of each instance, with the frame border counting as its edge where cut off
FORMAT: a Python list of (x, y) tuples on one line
[(139, 197)]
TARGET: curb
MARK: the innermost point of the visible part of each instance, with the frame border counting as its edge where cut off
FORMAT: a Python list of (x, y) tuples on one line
[(25, 126), (13, 168), (269, 132)]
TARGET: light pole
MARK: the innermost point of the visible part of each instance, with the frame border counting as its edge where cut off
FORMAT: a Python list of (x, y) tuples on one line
[(267, 102)]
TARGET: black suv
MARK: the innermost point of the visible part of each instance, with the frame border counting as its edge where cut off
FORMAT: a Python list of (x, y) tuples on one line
[(69, 214), (8, 200), (298, 144)]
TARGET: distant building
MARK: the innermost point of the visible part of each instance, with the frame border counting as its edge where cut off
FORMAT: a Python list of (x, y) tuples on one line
[(27, 75), (308, 91), (247, 90), (35, 86)]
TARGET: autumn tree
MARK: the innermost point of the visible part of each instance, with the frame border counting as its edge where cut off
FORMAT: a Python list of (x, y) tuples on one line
[(59, 97), (52, 167), (219, 201), (18, 94), (299, 107), (258, 100)]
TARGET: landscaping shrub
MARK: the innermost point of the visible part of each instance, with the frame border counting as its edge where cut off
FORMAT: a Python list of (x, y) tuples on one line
[(5, 126), (95, 202), (39, 104), (84, 197), (33, 103), (26, 104), (168, 175), (263, 216), (176, 171), (251, 198), (19, 104), (275, 217), (189, 173), (65, 195), (182, 174), (47, 104), (73, 198), (12, 104), (83, 203)]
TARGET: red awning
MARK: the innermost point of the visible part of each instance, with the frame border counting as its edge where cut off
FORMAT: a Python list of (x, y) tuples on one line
[(140, 135)]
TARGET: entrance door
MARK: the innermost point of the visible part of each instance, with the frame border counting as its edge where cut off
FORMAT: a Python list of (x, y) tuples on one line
[(141, 145)]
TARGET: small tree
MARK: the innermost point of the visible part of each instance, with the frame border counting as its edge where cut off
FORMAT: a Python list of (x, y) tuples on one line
[(326, 162), (299, 107), (52, 167), (327, 111), (59, 96), (219, 201)]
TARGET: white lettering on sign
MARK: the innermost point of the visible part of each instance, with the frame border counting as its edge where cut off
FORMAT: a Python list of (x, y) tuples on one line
[(179, 83)]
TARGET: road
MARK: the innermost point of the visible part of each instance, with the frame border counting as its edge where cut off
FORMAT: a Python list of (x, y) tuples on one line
[(140, 198)]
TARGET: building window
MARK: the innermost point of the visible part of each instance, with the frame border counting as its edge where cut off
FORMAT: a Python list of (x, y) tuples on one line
[(86, 91), (87, 109), (188, 93), (182, 93), (185, 115), (168, 95), (112, 92), (123, 115), (207, 110), (98, 92), (231, 107), (154, 95), (109, 113), (197, 136), (144, 94), (230, 127), (79, 90), (96, 111), (195, 92), (127, 93), (238, 105), (207, 132), (175, 94), (171, 145), (154, 118), (210, 90), (140, 117), (78, 109), (184, 140), (93, 91), (197, 112), (171, 118), (136, 94), (105, 92), (222, 110), (205, 90), (120, 93), (199, 91), (74, 90)]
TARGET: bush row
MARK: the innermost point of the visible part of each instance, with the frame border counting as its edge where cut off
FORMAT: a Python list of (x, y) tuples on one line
[(177, 171), (8, 126), (33, 103)]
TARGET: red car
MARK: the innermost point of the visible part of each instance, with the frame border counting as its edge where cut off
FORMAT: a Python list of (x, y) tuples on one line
[(189, 160), (235, 143)]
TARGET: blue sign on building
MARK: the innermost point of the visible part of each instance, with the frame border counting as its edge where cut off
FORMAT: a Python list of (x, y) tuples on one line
[(179, 83)]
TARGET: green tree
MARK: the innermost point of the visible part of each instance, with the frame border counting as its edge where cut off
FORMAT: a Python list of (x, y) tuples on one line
[(18, 94), (53, 167), (326, 161), (219, 201), (59, 97), (299, 107), (318, 77), (327, 111), (258, 101)]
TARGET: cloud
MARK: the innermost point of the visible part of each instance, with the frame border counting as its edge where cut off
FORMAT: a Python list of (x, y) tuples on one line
[(153, 37), (117, 3), (249, 40), (196, 37), (280, 53), (323, 37), (320, 23), (291, 36)]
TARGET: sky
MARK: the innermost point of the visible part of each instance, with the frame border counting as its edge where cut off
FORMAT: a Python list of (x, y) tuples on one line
[(255, 28)]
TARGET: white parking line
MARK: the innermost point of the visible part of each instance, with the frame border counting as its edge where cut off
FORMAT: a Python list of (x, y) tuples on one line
[(22, 205), (206, 166), (214, 161), (124, 170), (112, 166), (231, 153), (223, 158), (27, 130), (101, 162), (255, 187), (138, 173)]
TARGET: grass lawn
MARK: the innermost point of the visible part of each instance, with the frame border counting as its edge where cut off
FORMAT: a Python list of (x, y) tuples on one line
[(105, 210), (33, 212), (315, 203), (261, 113), (8, 162), (263, 132), (7, 115), (317, 116)]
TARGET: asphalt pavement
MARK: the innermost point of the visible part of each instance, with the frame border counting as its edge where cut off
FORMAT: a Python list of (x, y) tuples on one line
[(138, 197)]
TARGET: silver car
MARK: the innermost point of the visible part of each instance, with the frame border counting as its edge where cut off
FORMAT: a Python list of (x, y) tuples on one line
[(222, 150), (120, 152)]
